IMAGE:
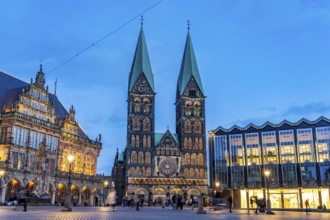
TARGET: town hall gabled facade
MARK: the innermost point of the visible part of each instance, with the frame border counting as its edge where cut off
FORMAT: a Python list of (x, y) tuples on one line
[(160, 164)]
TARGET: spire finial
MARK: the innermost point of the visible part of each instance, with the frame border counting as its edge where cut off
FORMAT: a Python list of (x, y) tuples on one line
[(55, 87), (188, 24), (142, 20), (40, 61)]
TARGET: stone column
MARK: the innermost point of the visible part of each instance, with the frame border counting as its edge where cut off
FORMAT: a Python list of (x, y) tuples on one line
[(301, 202), (320, 197), (282, 198), (3, 194), (53, 197), (200, 207), (101, 199), (91, 199), (79, 199)]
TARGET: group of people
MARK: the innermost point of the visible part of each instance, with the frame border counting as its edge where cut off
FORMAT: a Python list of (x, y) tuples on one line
[(177, 201), (20, 198)]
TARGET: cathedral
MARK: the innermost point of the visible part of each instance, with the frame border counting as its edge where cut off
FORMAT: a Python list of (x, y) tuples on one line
[(158, 165)]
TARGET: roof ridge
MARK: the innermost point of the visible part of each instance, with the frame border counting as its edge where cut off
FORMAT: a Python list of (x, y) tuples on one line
[(13, 76), (285, 121)]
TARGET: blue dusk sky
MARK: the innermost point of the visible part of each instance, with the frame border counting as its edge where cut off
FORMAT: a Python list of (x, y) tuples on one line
[(259, 60)]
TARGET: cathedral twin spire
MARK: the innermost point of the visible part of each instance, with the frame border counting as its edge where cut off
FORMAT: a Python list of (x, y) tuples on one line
[(189, 68), (141, 65)]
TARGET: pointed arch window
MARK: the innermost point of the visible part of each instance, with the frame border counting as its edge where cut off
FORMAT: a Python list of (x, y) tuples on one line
[(193, 159), (146, 124), (185, 143), (200, 159), (197, 108), (133, 141), (202, 173), (136, 124), (186, 172), (188, 108), (149, 141), (144, 141), (196, 144), (146, 105), (189, 143), (172, 152), (148, 158), (140, 157), (137, 104), (196, 172), (138, 172), (131, 171), (137, 141), (191, 172), (187, 159), (148, 171), (197, 127), (133, 157), (187, 127), (201, 144)]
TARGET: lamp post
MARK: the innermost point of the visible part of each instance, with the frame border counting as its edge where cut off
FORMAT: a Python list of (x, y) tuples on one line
[(217, 191), (2, 173), (67, 207), (105, 192), (269, 208)]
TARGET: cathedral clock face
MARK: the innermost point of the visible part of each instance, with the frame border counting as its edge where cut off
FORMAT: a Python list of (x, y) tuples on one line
[(167, 167), (142, 88)]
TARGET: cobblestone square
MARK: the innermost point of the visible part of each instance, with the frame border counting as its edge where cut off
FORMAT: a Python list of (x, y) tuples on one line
[(123, 213)]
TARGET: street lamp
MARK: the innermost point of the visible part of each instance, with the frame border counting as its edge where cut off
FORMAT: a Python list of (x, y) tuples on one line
[(269, 208), (105, 192), (67, 207), (2, 173)]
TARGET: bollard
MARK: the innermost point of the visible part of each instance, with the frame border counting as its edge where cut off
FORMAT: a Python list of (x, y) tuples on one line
[(200, 207)]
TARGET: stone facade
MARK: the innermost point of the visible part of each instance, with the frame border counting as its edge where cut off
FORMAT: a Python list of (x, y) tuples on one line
[(37, 134), (160, 164)]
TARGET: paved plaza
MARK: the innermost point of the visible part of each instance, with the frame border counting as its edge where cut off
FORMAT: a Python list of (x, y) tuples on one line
[(123, 213)]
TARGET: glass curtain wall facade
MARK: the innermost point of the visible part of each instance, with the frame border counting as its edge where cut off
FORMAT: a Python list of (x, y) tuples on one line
[(296, 154)]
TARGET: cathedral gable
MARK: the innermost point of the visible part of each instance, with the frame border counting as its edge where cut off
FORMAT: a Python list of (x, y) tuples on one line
[(167, 146), (192, 89), (142, 85), (167, 141)]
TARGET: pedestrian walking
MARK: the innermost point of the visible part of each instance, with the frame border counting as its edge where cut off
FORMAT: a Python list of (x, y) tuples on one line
[(23, 195), (137, 201), (112, 199), (180, 202), (174, 200), (307, 206), (230, 202), (192, 202), (141, 201)]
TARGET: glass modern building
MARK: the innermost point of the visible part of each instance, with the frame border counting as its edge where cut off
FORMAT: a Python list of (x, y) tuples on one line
[(296, 154)]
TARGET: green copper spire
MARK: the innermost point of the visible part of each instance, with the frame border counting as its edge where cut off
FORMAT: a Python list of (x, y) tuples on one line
[(141, 64), (189, 68)]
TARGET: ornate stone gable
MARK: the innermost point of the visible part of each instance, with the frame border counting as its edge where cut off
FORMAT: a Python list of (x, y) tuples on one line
[(192, 89), (142, 86)]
